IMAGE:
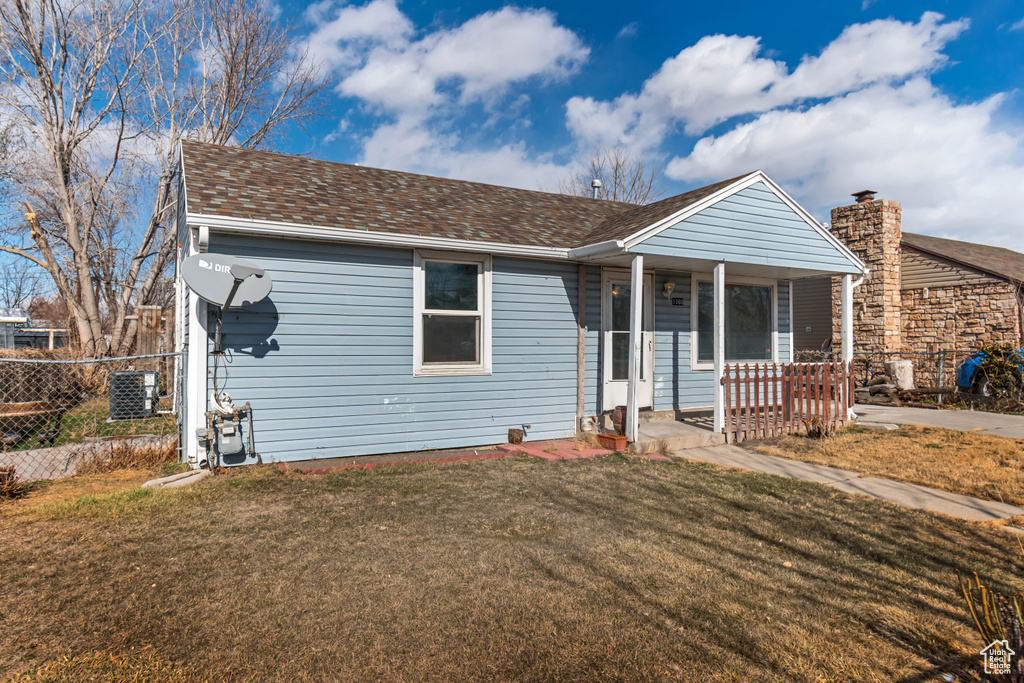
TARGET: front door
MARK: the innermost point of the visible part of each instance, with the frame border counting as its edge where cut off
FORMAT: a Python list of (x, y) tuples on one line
[(615, 293)]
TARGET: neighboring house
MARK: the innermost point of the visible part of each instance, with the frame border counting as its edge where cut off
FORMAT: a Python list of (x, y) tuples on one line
[(412, 312), (11, 320), (923, 293)]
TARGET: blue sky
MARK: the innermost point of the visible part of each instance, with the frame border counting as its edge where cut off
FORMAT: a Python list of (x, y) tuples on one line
[(917, 100)]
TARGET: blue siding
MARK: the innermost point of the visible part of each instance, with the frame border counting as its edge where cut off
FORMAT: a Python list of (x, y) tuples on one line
[(753, 226), (785, 321), (326, 360), (675, 385)]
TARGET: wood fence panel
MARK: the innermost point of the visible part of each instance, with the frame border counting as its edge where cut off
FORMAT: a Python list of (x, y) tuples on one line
[(772, 399)]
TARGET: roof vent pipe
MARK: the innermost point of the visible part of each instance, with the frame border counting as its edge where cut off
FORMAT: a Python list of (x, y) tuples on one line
[(596, 184)]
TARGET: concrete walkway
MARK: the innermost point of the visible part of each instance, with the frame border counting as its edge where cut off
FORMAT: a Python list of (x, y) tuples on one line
[(1011, 426), (908, 495)]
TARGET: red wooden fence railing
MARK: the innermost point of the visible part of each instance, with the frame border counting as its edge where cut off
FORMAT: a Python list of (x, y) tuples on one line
[(770, 399)]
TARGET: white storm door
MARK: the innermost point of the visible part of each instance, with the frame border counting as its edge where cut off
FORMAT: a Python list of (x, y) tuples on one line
[(615, 294)]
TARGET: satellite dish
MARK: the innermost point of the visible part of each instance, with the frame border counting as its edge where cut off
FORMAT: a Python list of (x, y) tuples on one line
[(225, 281)]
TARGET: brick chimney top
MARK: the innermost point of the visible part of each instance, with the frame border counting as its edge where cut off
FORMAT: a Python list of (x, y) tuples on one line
[(865, 196)]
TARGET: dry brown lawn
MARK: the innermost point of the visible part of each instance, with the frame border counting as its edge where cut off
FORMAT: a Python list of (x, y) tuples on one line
[(602, 569), (971, 463)]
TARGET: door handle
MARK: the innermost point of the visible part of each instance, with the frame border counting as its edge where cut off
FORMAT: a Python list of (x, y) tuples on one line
[(650, 344)]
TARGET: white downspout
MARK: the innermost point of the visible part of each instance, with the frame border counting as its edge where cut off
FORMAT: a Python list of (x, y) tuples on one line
[(846, 316)]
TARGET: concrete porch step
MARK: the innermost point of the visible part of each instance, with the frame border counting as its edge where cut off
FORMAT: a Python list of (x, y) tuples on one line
[(674, 436)]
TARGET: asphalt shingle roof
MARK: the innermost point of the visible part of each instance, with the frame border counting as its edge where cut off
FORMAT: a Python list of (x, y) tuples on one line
[(259, 185), (998, 261)]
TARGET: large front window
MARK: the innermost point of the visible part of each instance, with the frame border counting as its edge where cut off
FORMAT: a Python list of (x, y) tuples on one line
[(452, 301), (749, 325)]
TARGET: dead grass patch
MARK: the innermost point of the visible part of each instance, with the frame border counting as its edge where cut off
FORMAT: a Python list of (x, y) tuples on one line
[(971, 463), (131, 455), (139, 667), (607, 568)]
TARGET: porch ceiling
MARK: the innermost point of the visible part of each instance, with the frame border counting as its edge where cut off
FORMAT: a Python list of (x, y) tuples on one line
[(694, 265)]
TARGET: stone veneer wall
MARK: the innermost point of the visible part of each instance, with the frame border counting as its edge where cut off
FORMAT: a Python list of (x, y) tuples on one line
[(872, 231), (960, 318)]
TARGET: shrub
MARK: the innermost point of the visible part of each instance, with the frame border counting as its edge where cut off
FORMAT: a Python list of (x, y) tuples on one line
[(11, 485), (1001, 366)]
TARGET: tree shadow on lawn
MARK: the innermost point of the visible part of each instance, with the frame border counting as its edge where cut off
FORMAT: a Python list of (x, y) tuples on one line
[(605, 569)]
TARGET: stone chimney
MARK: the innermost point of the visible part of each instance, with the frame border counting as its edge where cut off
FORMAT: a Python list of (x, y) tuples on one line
[(871, 228)]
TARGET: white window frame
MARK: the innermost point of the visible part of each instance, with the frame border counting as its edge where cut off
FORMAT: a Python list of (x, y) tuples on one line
[(696, 278), (421, 369)]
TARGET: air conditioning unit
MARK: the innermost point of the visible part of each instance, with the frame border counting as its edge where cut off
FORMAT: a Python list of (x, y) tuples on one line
[(133, 394)]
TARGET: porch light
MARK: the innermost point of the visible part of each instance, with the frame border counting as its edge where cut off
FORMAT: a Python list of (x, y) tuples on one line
[(669, 287)]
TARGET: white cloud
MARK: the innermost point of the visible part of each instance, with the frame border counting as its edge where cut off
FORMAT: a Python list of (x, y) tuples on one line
[(423, 81), (412, 146), (721, 77), (878, 51), (1017, 25), (375, 51), (499, 48), (341, 33), (629, 30), (955, 172)]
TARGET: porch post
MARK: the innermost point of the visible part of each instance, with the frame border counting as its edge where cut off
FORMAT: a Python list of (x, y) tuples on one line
[(719, 339), (846, 314), (636, 300), (847, 318)]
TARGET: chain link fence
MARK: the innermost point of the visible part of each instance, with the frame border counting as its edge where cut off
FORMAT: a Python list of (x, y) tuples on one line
[(64, 417)]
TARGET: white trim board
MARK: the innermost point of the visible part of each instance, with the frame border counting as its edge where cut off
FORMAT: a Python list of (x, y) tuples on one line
[(390, 239)]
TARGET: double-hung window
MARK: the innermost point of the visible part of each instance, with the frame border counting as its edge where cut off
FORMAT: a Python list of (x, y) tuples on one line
[(452, 329), (750, 328)]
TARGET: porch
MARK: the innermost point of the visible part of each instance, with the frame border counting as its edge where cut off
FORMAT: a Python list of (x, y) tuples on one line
[(658, 340), (664, 310), (667, 431)]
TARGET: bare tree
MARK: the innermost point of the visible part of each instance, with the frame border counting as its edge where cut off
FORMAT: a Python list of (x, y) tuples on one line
[(104, 90), (20, 282), (623, 178)]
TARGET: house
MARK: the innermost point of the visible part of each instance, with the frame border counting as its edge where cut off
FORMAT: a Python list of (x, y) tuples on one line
[(923, 293), (11, 320), (412, 312)]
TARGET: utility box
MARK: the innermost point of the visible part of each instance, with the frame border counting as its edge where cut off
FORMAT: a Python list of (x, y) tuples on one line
[(133, 394)]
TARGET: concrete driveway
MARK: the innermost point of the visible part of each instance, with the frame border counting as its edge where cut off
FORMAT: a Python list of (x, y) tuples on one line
[(1011, 426)]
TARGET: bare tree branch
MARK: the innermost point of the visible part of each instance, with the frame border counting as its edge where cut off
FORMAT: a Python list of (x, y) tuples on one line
[(103, 90), (623, 178)]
